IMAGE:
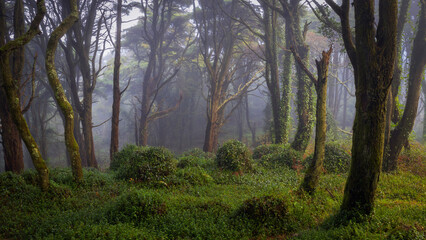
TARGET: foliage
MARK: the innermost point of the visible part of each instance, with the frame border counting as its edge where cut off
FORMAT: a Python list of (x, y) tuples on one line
[(261, 204), (121, 157), (336, 159), (413, 159), (134, 206), (266, 149), (192, 175), (234, 156), (285, 156), (264, 210), (147, 164), (196, 158)]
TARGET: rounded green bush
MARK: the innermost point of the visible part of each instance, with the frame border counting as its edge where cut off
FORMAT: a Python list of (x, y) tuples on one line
[(147, 164), (197, 152), (266, 149), (336, 159), (234, 156), (123, 156), (264, 210), (134, 206), (192, 176), (285, 156)]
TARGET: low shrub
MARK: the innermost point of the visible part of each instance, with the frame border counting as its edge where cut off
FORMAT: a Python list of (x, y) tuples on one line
[(286, 156), (123, 156), (336, 159), (265, 214), (197, 152), (234, 156), (134, 206), (148, 164), (266, 149), (192, 176)]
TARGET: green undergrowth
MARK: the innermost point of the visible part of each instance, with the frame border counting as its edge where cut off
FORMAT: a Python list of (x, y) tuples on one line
[(200, 201)]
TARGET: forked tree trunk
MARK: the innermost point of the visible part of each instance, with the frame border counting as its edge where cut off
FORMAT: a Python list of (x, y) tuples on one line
[(59, 93)]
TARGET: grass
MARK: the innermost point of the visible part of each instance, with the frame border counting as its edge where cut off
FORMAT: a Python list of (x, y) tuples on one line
[(95, 210)]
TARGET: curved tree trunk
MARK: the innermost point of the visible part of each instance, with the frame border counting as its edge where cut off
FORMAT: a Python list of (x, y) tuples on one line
[(10, 88), (59, 93), (11, 141)]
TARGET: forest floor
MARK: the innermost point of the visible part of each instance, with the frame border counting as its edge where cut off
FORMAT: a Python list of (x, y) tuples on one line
[(106, 208)]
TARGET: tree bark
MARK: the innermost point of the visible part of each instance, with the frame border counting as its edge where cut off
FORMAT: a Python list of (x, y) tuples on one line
[(116, 87), (310, 181), (286, 88), (373, 59), (400, 134), (59, 93), (10, 88), (11, 141)]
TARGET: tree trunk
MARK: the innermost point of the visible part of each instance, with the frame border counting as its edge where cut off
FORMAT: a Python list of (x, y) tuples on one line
[(373, 58), (59, 93), (304, 106), (286, 89), (10, 87), (400, 134), (116, 87), (11, 141), (310, 181)]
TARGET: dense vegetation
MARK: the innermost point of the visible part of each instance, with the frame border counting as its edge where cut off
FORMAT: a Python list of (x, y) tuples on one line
[(208, 203)]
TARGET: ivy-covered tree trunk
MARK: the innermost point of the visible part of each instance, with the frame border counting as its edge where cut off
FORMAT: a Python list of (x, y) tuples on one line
[(115, 120), (13, 98), (400, 134), (304, 101), (59, 93), (373, 59), (310, 181), (286, 89)]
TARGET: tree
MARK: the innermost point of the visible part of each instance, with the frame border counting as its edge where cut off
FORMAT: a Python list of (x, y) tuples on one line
[(115, 120), (218, 42), (13, 100), (290, 10), (11, 141), (373, 58), (161, 33), (59, 93), (310, 181), (399, 136)]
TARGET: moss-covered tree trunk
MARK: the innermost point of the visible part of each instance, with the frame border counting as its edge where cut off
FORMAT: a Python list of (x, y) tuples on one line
[(59, 93), (424, 112), (373, 59), (400, 134), (13, 98), (115, 120), (310, 181), (11, 141)]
